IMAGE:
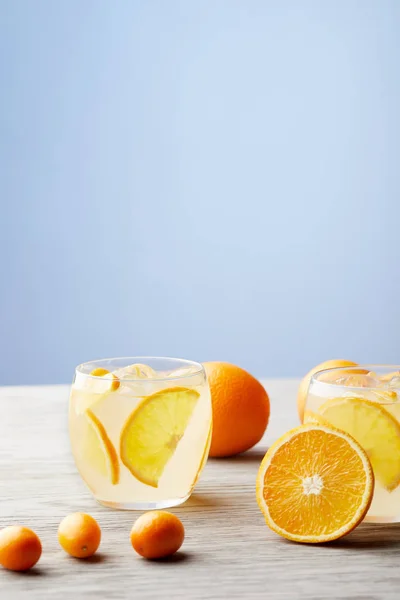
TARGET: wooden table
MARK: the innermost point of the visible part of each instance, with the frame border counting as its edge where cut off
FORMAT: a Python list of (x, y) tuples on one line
[(228, 552)]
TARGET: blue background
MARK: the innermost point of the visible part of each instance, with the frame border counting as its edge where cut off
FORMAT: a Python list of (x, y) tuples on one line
[(210, 179)]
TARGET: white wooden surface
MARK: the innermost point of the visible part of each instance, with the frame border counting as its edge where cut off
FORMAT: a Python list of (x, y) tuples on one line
[(228, 551)]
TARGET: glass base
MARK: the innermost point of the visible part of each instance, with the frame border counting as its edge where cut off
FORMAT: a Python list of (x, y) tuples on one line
[(372, 519), (159, 505)]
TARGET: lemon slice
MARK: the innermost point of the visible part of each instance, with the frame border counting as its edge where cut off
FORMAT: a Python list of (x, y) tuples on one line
[(152, 432), (374, 428), (99, 451)]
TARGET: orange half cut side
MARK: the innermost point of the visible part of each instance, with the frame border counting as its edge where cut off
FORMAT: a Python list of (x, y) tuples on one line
[(315, 484)]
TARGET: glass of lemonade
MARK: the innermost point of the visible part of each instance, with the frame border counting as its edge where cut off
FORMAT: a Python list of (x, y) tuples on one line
[(364, 401), (140, 429)]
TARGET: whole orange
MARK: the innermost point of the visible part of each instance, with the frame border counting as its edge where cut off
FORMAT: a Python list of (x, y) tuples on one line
[(20, 548), (157, 534), (79, 535), (303, 388), (240, 407)]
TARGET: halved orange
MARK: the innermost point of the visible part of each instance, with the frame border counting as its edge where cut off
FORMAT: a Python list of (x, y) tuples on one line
[(152, 432), (99, 450), (315, 484)]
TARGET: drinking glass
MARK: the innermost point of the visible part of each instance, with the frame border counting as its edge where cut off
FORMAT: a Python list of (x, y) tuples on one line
[(140, 429), (364, 401)]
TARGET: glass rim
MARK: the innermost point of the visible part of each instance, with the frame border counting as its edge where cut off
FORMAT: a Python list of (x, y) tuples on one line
[(315, 378), (142, 360)]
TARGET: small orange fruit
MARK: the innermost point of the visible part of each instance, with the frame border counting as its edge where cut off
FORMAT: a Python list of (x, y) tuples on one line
[(157, 534), (315, 484), (303, 389), (79, 535), (20, 548), (240, 407)]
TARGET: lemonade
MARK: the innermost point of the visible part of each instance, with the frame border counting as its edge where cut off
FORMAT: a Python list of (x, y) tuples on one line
[(364, 401), (140, 429)]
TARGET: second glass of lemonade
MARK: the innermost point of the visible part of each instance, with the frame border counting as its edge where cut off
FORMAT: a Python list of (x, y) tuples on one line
[(364, 401), (140, 429)]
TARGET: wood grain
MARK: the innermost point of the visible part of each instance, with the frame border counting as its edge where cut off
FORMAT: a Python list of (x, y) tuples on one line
[(228, 550)]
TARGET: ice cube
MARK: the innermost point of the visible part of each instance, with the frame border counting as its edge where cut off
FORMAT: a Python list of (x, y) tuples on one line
[(383, 396), (386, 378), (92, 384), (359, 380), (394, 383), (183, 371), (136, 371), (137, 379)]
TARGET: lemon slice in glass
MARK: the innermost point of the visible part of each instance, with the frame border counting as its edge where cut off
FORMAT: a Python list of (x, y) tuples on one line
[(372, 426), (152, 432), (99, 451)]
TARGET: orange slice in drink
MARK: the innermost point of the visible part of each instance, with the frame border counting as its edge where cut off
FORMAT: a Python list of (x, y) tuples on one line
[(152, 432), (372, 426), (315, 484), (99, 451)]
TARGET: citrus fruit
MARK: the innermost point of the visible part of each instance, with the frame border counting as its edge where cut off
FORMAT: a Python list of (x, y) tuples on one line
[(152, 432), (303, 388), (20, 548), (99, 451), (240, 407), (315, 484), (79, 535), (374, 428), (157, 534), (100, 372)]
